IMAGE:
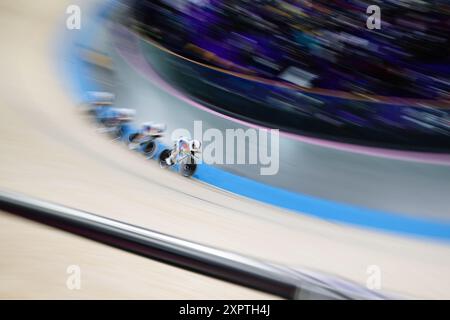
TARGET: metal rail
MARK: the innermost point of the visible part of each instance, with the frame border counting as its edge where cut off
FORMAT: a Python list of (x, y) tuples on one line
[(277, 280)]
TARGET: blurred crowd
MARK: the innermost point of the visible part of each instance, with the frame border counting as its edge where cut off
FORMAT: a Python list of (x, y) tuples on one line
[(318, 44)]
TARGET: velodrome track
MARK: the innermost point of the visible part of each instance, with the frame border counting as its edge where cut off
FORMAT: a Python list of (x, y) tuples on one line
[(36, 269), (48, 150)]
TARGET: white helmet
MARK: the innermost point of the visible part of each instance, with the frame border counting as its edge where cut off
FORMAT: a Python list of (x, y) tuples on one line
[(195, 145), (126, 114), (154, 127), (98, 97), (160, 127)]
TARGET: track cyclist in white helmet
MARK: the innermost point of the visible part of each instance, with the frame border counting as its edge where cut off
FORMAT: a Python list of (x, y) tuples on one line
[(183, 145), (149, 130)]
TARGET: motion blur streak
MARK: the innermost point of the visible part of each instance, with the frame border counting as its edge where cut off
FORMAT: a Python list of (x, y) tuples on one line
[(113, 274), (315, 63), (48, 151)]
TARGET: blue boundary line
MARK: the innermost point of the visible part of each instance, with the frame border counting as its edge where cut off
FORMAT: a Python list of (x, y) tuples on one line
[(308, 205)]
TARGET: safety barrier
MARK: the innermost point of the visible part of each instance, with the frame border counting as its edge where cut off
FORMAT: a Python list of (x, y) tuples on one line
[(277, 280)]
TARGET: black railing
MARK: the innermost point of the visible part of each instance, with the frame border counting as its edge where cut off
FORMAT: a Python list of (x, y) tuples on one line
[(277, 280)]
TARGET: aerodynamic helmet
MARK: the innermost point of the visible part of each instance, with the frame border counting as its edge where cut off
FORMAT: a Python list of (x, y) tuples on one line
[(126, 114)]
